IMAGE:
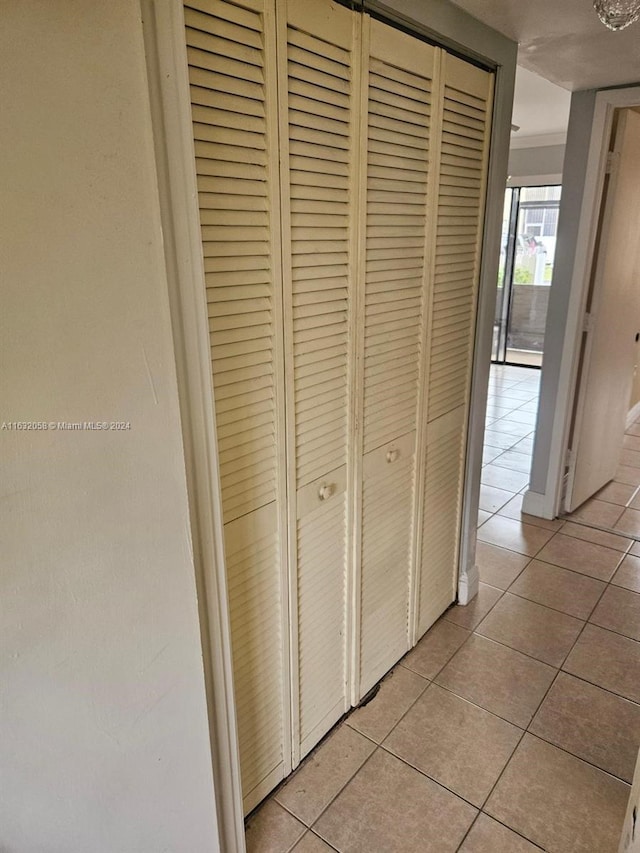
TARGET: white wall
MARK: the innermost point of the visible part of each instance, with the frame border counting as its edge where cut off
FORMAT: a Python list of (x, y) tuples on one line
[(536, 165), (104, 741), (575, 171), (590, 119)]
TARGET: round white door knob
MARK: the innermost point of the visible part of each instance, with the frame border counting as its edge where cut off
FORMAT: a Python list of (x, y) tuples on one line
[(325, 491), (392, 455)]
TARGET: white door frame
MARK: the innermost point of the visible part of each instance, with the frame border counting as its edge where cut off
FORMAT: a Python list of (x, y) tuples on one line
[(549, 503), (469, 577), (165, 47), (168, 81)]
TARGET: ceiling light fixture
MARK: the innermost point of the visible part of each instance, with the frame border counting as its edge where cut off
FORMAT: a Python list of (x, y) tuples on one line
[(617, 14)]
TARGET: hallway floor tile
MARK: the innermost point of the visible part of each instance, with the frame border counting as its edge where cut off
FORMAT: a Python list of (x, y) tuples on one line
[(390, 806), (558, 801), (514, 724)]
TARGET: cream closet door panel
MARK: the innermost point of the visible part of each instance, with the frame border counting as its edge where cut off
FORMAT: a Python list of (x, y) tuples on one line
[(445, 440), (252, 550), (231, 54), (398, 107), (462, 152), (318, 75)]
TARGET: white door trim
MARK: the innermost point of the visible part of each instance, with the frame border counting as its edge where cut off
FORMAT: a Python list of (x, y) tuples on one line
[(166, 57), (469, 578), (548, 505)]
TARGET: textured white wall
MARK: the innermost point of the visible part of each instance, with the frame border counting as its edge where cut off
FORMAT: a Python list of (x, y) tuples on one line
[(573, 182), (103, 733)]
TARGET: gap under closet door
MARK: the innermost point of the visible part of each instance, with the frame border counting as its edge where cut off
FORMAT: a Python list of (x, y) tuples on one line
[(319, 84), (231, 55), (397, 188)]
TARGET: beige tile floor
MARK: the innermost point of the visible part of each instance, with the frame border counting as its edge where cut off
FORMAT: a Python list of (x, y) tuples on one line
[(514, 724)]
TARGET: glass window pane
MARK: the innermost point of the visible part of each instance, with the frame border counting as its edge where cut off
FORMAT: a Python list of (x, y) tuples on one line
[(540, 193), (532, 273), (504, 242)]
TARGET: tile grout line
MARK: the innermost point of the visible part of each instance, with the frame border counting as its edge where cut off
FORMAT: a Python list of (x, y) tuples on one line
[(554, 532), (548, 606), (376, 745), (606, 585), (474, 631), (491, 817), (578, 757), (559, 670), (504, 592), (599, 686), (508, 762), (523, 731), (601, 528), (538, 660), (577, 571), (313, 823)]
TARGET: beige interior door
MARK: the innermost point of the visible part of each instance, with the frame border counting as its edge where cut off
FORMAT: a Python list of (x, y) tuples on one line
[(398, 114), (318, 84), (460, 153), (232, 75), (609, 353)]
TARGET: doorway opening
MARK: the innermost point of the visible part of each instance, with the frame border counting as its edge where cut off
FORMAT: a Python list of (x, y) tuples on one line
[(529, 231)]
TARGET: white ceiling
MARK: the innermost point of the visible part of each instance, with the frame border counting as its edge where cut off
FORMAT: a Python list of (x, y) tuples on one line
[(540, 110), (564, 41)]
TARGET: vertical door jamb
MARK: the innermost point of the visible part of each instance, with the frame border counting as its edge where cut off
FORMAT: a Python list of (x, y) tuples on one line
[(290, 537), (288, 632), (509, 266), (495, 183), (167, 79), (356, 373)]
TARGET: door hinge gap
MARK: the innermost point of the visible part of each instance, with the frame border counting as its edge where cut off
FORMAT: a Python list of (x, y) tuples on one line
[(570, 459)]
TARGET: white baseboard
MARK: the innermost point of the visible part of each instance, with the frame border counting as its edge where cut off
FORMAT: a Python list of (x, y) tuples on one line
[(633, 415), (533, 503), (468, 585)]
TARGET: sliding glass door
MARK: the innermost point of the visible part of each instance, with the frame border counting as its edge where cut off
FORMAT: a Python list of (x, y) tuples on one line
[(530, 222)]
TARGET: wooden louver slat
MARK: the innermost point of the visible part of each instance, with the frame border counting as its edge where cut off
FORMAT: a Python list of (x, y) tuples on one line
[(232, 31), (466, 211)]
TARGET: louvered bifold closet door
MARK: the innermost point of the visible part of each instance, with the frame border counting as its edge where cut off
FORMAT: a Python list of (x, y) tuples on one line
[(462, 164), (318, 76), (398, 106), (231, 55)]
